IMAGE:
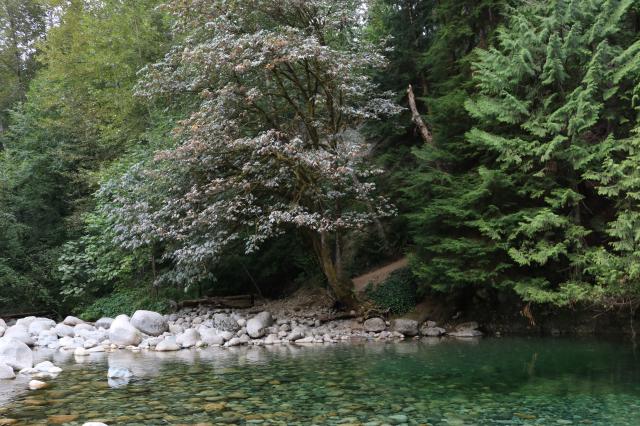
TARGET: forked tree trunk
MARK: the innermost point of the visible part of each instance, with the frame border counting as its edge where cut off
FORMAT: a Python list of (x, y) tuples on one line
[(341, 285)]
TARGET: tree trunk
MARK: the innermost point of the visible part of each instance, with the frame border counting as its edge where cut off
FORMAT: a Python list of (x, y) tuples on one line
[(341, 286)]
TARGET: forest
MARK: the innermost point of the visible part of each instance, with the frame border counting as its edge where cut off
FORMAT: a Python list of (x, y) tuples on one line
[(156, 150)]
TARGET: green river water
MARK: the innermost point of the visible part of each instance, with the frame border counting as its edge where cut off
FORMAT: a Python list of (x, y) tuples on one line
[(508, 381)]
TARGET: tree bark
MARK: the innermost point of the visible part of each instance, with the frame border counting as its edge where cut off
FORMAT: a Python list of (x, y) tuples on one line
[(341, 286)]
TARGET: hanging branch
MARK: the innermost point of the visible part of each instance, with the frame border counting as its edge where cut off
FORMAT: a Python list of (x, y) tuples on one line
[(415, 116)]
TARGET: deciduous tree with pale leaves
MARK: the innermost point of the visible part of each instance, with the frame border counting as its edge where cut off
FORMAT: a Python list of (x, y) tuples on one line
[(273, 144)]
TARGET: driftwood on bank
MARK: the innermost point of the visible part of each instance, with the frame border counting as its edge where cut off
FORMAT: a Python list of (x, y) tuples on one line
[(223, 302), (26, 314), (338, 316)]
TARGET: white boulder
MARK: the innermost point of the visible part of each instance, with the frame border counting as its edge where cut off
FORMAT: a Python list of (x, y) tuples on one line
[(6, 372), (63, 330), (19, 332), (256, 326), (15, 353), (25, 322), (167, 345), (211, 337), (41, 324), (189, 338), (123, 333)]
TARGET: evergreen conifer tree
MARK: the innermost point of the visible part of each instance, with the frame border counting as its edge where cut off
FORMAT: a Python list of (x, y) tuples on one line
[(548, 110)]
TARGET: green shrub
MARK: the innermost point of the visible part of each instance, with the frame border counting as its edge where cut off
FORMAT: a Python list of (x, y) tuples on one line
[(124, 301), (397, 294)]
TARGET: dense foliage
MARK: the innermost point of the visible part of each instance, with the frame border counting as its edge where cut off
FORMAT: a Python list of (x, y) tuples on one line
[(152, 148), (396, 295)]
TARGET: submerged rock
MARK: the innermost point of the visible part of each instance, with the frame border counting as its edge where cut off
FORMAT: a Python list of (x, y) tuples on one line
[(118, 377), (149, 322), (81, 352), (119, 373), (47, 367), (37, 384)]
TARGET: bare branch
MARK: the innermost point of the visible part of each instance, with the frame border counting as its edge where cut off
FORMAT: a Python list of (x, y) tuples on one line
[(417, 119)]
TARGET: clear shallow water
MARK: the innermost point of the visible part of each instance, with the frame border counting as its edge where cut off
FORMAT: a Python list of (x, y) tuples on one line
[(509, 381)]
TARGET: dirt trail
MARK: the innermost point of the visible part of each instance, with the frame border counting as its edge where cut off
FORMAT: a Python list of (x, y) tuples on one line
[(378, 275)]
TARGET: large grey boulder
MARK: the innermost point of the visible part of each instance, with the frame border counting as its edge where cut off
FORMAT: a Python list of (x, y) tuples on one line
[(225, 323), (375, 325), (104, 322), (407, 327), (467, 329), (297, 333), (429, 330), (2, 323), (19, 332), (63, 330), (256, 326), (72, 321), (149, 322), (15, 354), (123, 333)]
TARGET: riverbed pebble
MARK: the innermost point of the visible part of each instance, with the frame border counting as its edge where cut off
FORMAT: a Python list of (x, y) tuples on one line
[(37, 384)]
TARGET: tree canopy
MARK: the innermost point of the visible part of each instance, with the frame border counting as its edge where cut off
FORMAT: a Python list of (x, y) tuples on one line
[(217, 147)]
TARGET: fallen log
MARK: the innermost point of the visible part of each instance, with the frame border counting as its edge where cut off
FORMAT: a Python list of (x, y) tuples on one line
[(338, 316), (26, 314), (221, 302)]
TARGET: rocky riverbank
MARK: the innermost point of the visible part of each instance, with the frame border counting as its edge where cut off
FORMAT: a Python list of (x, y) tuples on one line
[(195, 328)]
